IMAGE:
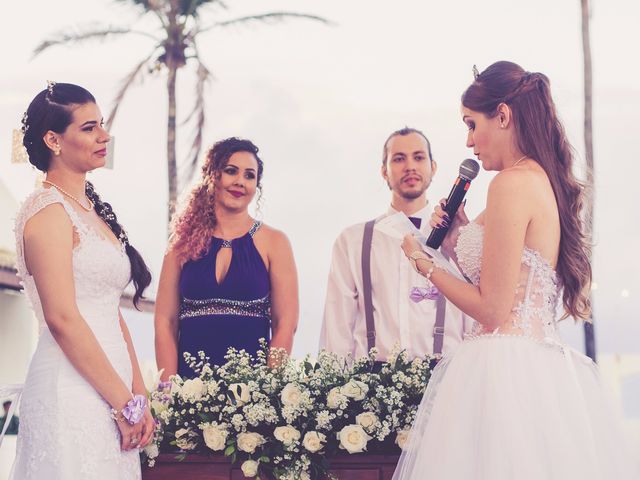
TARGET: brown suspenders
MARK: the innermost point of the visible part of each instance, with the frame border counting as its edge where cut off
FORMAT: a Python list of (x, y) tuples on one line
[(441, 302), (367, 238)]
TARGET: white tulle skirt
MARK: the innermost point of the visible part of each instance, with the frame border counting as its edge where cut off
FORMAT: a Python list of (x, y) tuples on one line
[(507, 407)]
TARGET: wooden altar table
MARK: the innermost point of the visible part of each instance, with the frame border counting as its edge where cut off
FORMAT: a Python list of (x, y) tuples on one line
[(217, 467)]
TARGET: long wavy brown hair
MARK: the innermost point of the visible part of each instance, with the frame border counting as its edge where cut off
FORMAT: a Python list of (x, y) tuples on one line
[(541, 137), (192, 227)]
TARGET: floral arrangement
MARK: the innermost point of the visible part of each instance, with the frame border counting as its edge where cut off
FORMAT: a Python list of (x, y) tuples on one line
[(283, 421)]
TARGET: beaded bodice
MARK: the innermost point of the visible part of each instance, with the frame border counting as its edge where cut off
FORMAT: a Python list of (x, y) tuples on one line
[(535, 297)]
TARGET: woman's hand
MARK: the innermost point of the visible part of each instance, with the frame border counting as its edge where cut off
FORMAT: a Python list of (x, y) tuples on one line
[(410, 245), (148, 428), (131, 435), (440, 219)]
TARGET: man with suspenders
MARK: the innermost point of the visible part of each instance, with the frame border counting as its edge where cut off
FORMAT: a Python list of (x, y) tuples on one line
[(374, 297)]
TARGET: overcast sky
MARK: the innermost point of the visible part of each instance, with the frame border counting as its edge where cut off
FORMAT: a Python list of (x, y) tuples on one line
[(319, 102)]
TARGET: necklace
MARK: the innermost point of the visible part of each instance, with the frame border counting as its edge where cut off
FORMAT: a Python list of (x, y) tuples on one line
[(519, 160), (64, 192)]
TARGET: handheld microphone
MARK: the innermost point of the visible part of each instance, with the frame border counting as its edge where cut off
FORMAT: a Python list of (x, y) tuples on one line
[(469, 169)]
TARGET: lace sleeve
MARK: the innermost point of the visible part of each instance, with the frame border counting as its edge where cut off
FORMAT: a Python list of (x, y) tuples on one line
[(39, 199)]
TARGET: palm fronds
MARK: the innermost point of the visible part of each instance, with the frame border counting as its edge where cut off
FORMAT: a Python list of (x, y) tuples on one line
[(177, 30), (199, 112), (82, 34), (137, 72), (272, 17)]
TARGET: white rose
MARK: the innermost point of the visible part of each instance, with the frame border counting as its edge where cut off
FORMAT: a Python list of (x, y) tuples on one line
[(334, 398), (249, 441), (353, 439), (151, 450), (367, 420), (314, 441), (215, 437), (240, 392), (355, 389), (290, 395), (193, 389), (287, 434), (186, 439), (249, 468), (402, 437)]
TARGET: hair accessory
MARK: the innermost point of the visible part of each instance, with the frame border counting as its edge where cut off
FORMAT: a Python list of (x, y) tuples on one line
[(124, 239), (18, 151), (50, 85), (476, 73), (25, 125)]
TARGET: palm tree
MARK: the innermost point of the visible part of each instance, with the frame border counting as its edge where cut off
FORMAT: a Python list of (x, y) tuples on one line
[(589, 334), (175, 45)]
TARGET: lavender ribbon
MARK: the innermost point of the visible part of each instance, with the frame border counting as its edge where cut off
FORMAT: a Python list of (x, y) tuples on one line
[(423, 293), (134, 410)]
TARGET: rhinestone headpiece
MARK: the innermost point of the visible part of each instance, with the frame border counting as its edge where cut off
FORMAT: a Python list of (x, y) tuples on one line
[(25, 125), (476, 73), (50, 85)]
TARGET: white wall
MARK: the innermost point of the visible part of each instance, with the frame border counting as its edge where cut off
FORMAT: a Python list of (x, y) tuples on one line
[(18, 337)]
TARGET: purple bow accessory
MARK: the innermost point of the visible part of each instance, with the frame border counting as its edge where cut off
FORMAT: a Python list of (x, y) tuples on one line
[(134, 410), (423, 293)]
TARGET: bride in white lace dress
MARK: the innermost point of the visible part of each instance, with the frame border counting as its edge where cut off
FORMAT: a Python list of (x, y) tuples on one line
[(75, 260), (514, 402)]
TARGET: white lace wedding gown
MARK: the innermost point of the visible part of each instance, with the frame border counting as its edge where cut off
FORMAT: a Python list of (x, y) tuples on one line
[(516, 403), (66, 432)]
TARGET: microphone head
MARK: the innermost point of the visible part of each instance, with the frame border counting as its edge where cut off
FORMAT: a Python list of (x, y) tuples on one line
[(469, 169)]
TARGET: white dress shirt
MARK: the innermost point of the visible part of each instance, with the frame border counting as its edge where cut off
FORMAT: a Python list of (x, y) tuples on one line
[(398, 319)]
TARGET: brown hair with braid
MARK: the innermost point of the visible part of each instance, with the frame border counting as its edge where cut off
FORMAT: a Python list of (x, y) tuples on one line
[(52, 109), (192, 228), (541, 137), (140, 274)]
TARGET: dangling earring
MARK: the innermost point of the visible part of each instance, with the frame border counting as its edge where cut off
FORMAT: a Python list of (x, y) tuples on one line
[(56, 152)]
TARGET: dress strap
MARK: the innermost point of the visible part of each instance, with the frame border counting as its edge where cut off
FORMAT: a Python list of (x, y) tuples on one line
[(254, 228), (252, 231), (39, 199)]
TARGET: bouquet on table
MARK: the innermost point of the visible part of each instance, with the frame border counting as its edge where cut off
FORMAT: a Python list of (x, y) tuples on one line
[(284, 421)]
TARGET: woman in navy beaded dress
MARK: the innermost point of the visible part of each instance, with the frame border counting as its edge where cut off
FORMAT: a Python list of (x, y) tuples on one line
[(227, 280)]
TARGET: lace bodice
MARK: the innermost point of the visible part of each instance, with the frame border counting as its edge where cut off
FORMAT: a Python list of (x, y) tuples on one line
[(536, 294), (101, 269)]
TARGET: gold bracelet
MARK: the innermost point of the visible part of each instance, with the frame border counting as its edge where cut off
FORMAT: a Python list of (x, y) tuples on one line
[(420, 255)]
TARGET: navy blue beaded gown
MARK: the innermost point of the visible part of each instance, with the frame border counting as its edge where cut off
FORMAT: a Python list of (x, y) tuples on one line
[(233, 313)]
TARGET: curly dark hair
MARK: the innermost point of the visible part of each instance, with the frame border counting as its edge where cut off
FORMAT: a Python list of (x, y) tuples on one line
[(191, 228)]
